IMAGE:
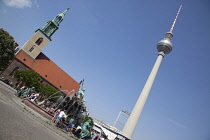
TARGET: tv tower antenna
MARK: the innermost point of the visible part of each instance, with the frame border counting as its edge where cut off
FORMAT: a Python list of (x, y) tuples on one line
[(172, 27), (164, 47)]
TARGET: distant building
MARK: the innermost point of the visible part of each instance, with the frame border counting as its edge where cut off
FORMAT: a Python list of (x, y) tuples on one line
[(104, 129), (30, 56)]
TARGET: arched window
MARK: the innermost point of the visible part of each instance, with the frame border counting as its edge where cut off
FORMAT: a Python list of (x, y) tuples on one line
[(58, 19), (15, 69), (39, 41), (32, 48)]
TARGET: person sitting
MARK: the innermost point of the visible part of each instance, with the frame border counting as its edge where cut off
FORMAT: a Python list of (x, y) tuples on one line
[(52, 110), (61, 122), (23, 88), (61, 115), (32, 95), (56, 115), (33, 98)]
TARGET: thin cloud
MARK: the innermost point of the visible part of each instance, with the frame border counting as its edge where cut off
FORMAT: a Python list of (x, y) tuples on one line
[(177, 123), (3, 10), (36, 3), (18, 3)]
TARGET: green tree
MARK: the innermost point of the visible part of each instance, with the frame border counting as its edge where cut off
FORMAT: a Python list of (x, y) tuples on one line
[(29, 78), (51, 92), (6, 49)]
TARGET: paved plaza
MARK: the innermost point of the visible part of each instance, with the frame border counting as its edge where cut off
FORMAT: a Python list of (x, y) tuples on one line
[(19, 122)]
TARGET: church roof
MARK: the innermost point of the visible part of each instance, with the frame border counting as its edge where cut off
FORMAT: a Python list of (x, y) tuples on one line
[(49, 71)]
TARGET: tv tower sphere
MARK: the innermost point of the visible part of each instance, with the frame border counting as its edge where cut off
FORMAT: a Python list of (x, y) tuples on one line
[(165, 45)]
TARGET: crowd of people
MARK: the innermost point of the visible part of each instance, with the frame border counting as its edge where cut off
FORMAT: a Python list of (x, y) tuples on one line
[(60, 120), (32, 95)]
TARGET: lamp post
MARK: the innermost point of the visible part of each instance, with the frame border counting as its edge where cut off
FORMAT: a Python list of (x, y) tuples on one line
[(164, 47)]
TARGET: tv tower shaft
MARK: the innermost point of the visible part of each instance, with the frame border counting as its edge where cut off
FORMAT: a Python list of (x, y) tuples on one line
[(164, 47)]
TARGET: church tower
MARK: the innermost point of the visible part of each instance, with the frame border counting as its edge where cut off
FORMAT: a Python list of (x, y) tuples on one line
[(34, 46), (30, 57)]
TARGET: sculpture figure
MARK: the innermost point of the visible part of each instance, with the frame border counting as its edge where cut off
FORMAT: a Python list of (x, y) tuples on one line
[(25, 93), (85, 132), (80, 93)]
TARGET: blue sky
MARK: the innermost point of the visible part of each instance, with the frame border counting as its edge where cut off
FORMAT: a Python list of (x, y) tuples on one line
[(112, 45)]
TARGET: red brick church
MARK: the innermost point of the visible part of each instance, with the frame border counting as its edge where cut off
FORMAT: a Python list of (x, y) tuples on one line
[(30, 56)]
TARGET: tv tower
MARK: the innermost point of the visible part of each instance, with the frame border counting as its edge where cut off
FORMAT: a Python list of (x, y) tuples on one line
[(164, 47)]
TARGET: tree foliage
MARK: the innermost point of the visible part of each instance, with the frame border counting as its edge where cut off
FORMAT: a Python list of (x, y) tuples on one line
[(51, 92), (31, 78), (6, 49)]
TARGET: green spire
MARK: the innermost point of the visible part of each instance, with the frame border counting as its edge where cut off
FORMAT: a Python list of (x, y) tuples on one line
[(59, 18), (52, 25), (66, 11)]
